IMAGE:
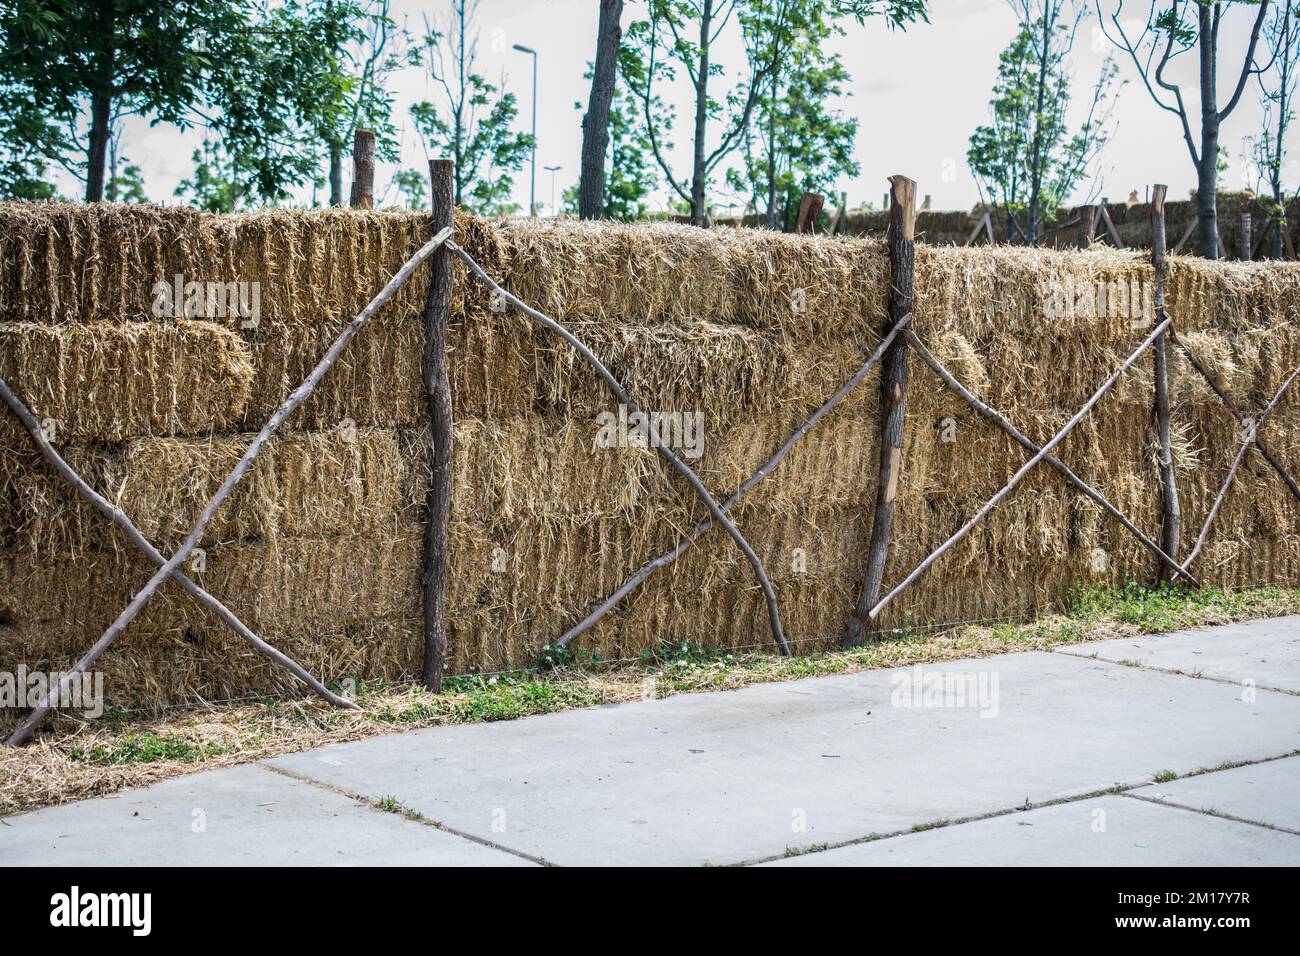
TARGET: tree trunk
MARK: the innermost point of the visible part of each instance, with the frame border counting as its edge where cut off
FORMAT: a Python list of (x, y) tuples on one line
[(771, 161), (111, 188), (101, 111), (1207, 174), (1278, 245), (595, 125), (1036, 173), (701, 116), (336, 172)]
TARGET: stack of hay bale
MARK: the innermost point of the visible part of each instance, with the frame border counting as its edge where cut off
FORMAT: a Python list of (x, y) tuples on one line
[(319, 550)]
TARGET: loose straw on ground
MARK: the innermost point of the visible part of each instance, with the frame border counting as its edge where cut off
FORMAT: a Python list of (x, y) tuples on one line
[(773, 612), (1024, 470), (668, 557), (299, 395)]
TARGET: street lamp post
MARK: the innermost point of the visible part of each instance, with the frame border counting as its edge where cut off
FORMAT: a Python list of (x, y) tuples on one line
[(552, 170), (532, 172)]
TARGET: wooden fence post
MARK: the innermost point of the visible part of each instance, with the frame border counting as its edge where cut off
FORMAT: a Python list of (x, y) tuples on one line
[(363, 171), (1245, 251), (841, 217), (810, 209), (1172, 518), (1087, 225), (437, 390), (893, 398)]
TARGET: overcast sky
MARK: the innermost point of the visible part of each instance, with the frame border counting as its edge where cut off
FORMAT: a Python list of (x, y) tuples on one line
[(917, 96)]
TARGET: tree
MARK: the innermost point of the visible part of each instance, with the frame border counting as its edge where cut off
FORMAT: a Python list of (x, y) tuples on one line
[(1172, 28), (214, 186), (1025, 160), (27, 139), (358, 97), (683, 35), (1277, 87), (82, 61), (281, 81), (797, 143), (628, 171), (413, 186), (596, 122), (476, 130), (127, 187)]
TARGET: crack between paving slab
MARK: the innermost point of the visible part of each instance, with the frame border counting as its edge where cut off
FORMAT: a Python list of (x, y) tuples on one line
[(1117, 790), (1138, 665), (1212, 813), (413, 817)]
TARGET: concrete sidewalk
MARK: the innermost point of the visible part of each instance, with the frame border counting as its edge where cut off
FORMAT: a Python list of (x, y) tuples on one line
[(1040, 758)]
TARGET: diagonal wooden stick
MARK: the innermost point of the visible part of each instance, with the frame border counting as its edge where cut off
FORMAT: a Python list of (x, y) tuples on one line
[(672, 554), (1019, 475), (1236, 413), (140, 541), (299, 395), (1236, 464), (773, 612), (1026, 443)]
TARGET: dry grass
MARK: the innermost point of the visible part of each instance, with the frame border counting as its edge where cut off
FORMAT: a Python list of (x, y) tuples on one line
[(73, 760)]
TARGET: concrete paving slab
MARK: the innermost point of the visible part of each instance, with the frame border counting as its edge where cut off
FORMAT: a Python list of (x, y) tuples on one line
[(244, 816), (1266, 793), (740, 776), (1265, 652), (1106, 831)]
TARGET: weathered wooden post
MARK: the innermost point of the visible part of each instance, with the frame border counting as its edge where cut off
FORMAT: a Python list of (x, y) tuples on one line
[(810, 208), (841, 217), (893, 398), (1172, 518), (363, 171), (437, 392), (1087, 226), (1245, 248)]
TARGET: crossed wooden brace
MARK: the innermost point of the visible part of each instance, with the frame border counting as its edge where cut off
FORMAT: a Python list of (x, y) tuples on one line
[(717, 512), (704, 525), (1043, 454), (170, 567)]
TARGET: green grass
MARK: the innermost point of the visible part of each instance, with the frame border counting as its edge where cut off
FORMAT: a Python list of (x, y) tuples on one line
[(1164, 776), (390, 804), (1166, 607), (567, 680), (148, 748)]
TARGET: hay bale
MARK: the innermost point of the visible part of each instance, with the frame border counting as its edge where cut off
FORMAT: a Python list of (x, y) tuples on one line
[(321, 545), (307, 483), (96, 262), (110, 381)]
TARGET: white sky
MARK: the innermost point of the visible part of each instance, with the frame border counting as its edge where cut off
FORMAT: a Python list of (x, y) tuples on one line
[(918, 95)]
